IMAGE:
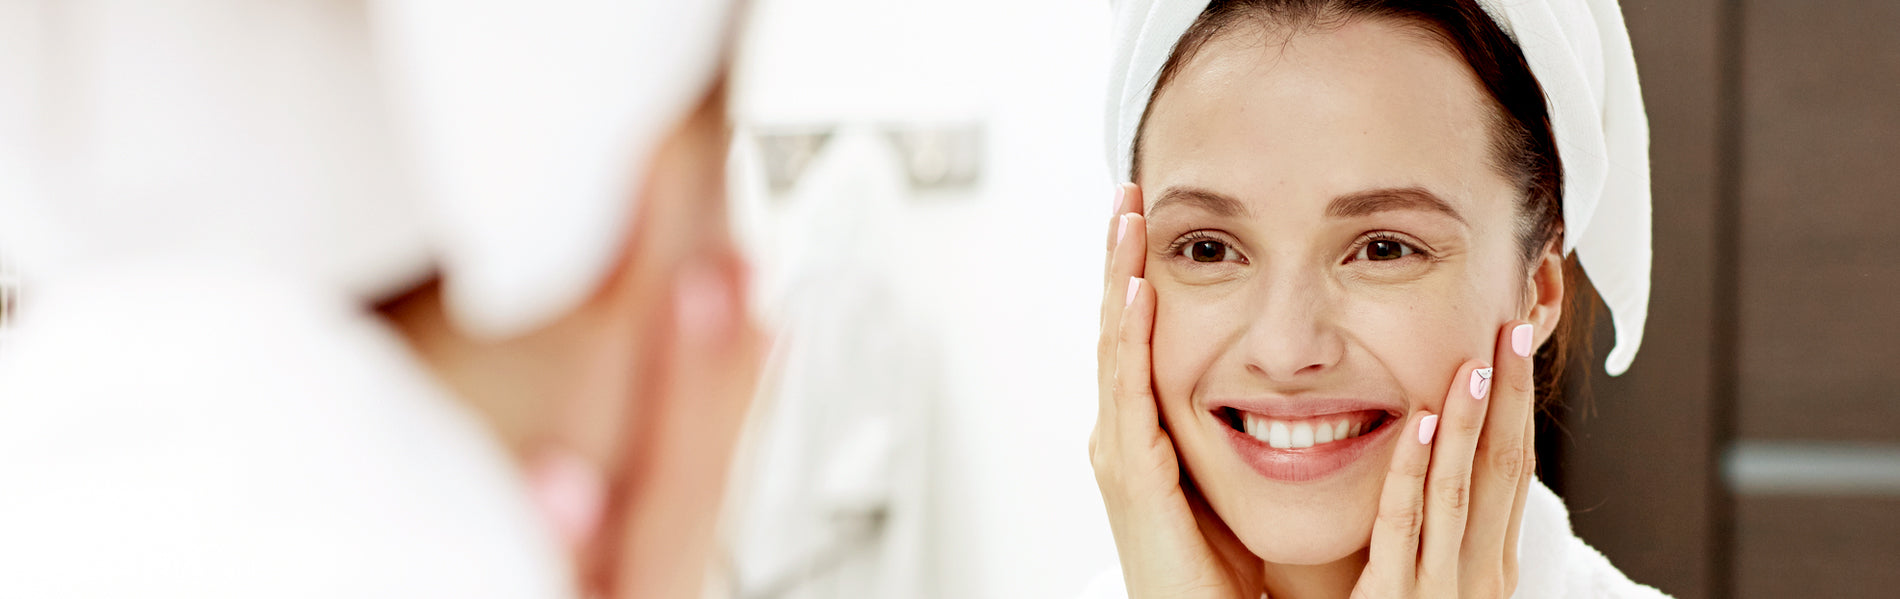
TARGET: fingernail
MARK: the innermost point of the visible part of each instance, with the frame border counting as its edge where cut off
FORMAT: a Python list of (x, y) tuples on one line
[(1521, 340), (1121, 192), (1134, 285), (1427, 427), (569, 492), (705, 309), (1480, 383), (1121, 230)]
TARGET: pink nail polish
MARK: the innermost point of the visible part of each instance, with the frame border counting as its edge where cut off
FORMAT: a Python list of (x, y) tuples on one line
[(1121, 193), (1480, 383), (1134, 285), (569, 492), (1121, 230), (705, 309), (1521, 340), (1427, 427)]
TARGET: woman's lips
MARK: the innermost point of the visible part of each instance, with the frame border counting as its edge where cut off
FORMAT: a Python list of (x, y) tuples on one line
[(1307, 447)]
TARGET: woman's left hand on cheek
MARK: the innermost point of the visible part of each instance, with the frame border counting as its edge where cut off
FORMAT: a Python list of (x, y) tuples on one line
[(1454, 496)]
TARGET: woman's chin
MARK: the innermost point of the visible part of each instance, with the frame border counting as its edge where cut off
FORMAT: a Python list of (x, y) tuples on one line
[(1301, 545), (1297, 524)]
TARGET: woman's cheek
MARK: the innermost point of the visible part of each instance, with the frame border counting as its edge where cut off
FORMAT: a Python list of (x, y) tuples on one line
[(1184, 345), (1421, 340)]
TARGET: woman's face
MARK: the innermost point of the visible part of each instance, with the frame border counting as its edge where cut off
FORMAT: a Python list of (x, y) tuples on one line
[(1329, 241)]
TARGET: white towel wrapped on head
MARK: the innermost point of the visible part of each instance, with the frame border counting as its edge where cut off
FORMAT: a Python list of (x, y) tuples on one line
[(1580, 53)]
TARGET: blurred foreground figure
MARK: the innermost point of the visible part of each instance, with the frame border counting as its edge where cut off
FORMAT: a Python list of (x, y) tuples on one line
[(374, 298)]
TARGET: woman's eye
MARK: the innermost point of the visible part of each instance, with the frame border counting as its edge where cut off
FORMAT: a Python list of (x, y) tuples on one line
[(1208, 250), (1385, 249)]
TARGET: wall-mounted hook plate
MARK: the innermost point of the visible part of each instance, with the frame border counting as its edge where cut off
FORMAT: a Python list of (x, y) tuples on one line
[(939, 157), (788, 152)]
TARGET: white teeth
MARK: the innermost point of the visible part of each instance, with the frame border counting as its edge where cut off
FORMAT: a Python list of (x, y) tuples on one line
[(1302, 434), (1295, 435), (1278, 436)]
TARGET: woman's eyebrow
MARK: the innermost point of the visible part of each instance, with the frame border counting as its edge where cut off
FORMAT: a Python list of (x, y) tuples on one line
[(1213, 202), (1362, 203)]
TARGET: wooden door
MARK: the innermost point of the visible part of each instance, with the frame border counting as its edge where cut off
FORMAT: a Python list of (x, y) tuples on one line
[(1754, 449)]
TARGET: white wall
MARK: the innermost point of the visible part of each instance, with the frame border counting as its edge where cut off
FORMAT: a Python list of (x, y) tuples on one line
[(1008, 273)]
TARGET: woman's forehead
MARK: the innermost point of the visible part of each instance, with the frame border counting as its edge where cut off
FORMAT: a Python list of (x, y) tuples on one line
[(1367, 105)]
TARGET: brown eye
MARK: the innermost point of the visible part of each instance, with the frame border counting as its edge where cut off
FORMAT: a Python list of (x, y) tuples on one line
[(1384, 249), (1207, 250)]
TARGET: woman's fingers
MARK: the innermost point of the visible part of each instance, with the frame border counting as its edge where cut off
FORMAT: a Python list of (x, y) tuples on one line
[(1125, 258), (1392, 568), (1448, 488), (1501, 470), (1116, 270), (1529, 471), (1454, 495), (1127, 201), (1126, 262), (683, 435), (1135, 410), (1121, 207), (1509, 547)]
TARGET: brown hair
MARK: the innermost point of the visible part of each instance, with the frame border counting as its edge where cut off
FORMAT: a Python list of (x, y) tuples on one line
[(1523, 149)]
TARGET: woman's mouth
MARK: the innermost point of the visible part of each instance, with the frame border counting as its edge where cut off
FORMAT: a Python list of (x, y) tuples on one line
[(1307, 446), (1298, 434)]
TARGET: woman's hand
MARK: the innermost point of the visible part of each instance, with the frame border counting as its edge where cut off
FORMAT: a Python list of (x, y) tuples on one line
[(1453, 500), (1171, 544)]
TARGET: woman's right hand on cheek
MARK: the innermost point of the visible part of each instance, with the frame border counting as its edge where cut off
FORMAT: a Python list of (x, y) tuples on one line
[(1455, 493), (1170, 543)]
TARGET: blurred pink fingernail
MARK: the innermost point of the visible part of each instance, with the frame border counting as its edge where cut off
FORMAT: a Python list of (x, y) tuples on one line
[(1480, 383), (1521, 340), (1134, 286), (569, 492), (1427, 427), (1121, 230), (1121, 192), (706, 310)]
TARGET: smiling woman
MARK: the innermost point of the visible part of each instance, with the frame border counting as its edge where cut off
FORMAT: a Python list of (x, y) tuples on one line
[(1358, 222)]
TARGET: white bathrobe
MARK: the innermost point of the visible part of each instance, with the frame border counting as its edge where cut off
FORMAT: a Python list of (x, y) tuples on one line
[(255, 437), (1552, 562)]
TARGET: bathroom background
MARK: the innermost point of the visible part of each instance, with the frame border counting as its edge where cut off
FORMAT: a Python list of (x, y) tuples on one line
[(935, 170), (922, 187)]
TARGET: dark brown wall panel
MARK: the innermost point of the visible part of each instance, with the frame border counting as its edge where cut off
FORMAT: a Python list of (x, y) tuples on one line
[(1817, 547), (1638, 461), (1820, 221)]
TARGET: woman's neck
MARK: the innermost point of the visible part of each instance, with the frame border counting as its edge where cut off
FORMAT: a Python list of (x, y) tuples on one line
[(1333, 580)]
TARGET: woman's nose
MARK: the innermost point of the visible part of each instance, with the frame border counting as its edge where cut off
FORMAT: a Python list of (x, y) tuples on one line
[(1292, 335)]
